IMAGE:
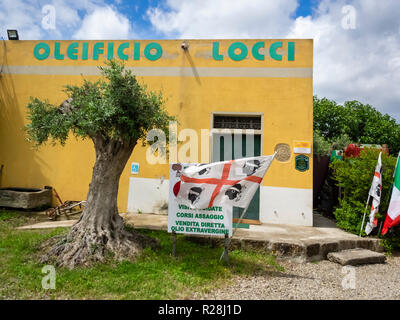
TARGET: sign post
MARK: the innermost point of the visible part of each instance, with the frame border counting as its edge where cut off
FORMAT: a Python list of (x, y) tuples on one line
[(226, 244), (174, 244)]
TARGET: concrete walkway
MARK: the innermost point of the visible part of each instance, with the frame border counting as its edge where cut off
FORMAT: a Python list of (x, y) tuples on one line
[(285, 241)]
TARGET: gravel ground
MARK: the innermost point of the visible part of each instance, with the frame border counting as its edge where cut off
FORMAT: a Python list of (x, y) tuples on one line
[(317, 281)]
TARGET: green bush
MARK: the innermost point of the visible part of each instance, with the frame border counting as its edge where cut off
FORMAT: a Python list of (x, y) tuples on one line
[(354, 176), (341, 142), (322, 146), (391, 240), (349, 216)]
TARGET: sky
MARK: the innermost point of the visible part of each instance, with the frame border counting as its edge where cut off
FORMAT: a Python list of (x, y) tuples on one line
[(356, 42)]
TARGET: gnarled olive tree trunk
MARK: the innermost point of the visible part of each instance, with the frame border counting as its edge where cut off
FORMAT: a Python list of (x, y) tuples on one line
[(100, 231)]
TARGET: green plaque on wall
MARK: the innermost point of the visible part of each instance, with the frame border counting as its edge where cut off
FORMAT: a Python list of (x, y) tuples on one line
[(301, 163)]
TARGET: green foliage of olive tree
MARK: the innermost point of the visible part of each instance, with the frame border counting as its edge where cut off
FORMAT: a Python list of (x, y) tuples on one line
[(362, 123), (115, 112), (322, 147)]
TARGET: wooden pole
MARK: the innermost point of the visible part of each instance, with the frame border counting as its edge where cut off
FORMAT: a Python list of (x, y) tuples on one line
[(226, 257), (174, 244), (58, 197)]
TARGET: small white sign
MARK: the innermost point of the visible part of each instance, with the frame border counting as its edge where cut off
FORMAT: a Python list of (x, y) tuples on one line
[(135, 168), (302, 147)]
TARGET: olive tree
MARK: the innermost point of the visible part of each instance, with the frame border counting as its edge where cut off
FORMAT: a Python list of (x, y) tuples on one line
[(115, 112)]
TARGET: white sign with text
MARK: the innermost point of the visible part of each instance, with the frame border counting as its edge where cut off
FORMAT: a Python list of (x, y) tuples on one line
[(213, 221)]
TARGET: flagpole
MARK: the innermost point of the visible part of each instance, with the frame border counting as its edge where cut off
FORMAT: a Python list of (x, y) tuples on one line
[(240, 219), (365, 211), (237, 225)]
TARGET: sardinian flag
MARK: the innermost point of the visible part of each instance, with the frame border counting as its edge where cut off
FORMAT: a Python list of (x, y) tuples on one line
[(231, 182), (375, 192)]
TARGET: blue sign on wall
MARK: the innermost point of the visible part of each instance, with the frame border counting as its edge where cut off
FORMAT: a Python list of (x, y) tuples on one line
[(135, 168)]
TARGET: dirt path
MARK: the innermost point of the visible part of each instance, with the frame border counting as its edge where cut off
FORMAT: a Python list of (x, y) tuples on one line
[(322, 280)]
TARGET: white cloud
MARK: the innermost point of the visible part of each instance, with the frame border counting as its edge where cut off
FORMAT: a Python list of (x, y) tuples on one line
[(21, 15), (67, 15), (361, 63), (26, 16), (223, 18), (104, 23)]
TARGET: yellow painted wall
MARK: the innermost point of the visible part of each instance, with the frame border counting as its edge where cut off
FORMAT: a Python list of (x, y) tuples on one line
[(286, 103)]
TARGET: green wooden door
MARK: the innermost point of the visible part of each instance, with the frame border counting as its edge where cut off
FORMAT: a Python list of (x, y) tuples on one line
[(253, 212)]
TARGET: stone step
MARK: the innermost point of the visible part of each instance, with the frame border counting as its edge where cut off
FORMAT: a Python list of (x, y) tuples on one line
[(355, 257), (300, 251)]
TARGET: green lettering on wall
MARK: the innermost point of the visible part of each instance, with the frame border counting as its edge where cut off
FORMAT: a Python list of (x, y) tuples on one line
[(215, 52), (98, 48), (110, 50), (256, 50), (237, 51), (149, 55), (72, 51), (136, 51), (243, 51), (44, 54), (57, 53), (272, 50), (121, 49), (291, 51), (85, 49)]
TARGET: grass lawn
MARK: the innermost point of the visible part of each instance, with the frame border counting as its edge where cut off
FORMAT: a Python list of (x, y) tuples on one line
[(154, 275)]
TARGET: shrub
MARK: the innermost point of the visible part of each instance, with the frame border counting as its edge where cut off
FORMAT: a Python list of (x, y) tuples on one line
[(341, 142), (348, 216), (322, 146), (391, 241), (355, 175)]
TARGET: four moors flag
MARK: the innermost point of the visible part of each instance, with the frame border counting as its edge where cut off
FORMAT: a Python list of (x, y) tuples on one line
[(231, 182), (375, 193), (393, 214)]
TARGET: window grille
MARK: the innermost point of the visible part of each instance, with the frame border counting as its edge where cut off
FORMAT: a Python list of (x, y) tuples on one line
[(237, 122)]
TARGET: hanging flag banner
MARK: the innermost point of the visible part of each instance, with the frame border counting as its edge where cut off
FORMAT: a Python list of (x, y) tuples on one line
[(393, 214), (231, 183), (213, 221), (375, 192)]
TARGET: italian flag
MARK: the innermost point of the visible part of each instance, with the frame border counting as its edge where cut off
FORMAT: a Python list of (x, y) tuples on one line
[(393, 215)]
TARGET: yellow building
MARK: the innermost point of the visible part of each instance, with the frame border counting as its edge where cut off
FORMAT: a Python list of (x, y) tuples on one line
[(210, 85)]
